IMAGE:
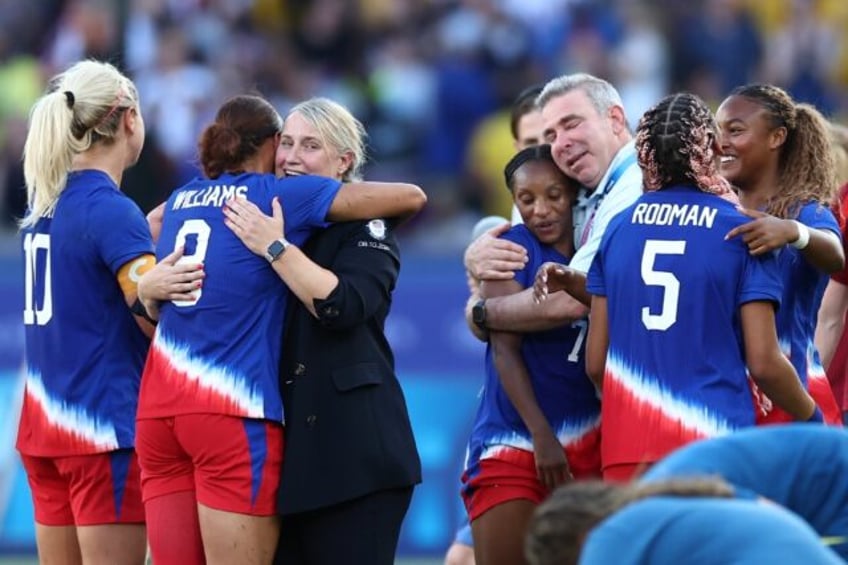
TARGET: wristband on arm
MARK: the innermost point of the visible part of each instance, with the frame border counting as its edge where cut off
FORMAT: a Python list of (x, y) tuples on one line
[(139, 310), (803, 236)]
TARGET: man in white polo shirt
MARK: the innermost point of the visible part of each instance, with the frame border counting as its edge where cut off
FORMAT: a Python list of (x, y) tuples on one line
[(585, 123)]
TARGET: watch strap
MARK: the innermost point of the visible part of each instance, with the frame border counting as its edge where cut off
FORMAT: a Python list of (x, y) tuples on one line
[(276, 249)]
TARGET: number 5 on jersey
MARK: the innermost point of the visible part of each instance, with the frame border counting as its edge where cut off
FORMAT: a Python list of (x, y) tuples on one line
[(670, 284)]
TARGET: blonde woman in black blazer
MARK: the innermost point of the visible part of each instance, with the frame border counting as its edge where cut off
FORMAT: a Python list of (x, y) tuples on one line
[(350, 460)]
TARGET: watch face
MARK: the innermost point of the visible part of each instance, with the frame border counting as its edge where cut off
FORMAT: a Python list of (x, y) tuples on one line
[(276, 248)]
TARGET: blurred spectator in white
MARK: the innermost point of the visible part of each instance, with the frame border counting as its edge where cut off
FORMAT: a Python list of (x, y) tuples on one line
[(86, 28), (174, 94)]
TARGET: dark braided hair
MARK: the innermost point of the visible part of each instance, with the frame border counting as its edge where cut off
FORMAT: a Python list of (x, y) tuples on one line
[(675, 144), (806, 165)]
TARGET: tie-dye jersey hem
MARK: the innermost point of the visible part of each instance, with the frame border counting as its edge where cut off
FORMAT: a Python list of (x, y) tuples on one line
[(62, 426), (196, 385), (644, 418)]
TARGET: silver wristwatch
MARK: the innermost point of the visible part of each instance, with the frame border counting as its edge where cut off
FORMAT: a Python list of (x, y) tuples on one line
[(276, 249)]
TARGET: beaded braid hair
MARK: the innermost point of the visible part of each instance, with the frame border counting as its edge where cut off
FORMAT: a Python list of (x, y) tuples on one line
[(806, 165), (675, 144)]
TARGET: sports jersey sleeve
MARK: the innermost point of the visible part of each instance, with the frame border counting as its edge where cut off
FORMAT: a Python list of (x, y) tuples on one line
[(819, 217), (306, 199), (522, 236), (762, 280), (119, 230), (595, 277)]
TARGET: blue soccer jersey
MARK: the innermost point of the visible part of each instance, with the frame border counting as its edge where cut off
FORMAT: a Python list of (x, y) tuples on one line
[(220, 352), (803, 287), (556, 365), (84, 349), (675, 368), (704, 531), (800, 466)]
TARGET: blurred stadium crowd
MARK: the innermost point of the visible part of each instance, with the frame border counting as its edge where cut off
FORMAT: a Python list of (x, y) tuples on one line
[(431, 79)]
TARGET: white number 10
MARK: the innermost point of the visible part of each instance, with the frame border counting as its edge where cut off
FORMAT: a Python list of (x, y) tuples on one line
[(35, 313), (671, 286)]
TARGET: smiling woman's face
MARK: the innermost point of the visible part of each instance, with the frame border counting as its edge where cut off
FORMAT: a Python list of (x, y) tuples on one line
[(302, 151), (748, 142)]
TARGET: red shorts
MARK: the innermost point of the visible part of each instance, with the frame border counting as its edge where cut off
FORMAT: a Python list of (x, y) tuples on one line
[(232, 463), (85, 490), (819, 389), (511, 475)]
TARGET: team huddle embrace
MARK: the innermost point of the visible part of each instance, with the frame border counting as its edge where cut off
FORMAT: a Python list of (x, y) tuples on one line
[(693, 254), (212, 383)]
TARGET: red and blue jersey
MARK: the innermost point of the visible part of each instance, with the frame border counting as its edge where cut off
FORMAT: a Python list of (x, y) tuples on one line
[(803, 287), (220, 353), (675, 368), (84, 349), (556, 366)]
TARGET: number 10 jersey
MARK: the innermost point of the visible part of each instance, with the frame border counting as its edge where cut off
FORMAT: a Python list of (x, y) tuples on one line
[(84, 349)]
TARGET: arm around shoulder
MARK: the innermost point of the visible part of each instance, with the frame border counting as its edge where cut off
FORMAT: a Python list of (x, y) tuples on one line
[(364, 200), (520, 312)]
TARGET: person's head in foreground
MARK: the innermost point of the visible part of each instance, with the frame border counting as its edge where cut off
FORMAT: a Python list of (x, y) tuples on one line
[(697, 521), (561, 523)]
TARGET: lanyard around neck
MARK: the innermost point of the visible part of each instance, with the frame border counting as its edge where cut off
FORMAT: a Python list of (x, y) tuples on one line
[(616, 173)]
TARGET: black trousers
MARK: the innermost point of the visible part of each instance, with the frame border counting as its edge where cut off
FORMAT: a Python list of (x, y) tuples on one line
[(363, 531)]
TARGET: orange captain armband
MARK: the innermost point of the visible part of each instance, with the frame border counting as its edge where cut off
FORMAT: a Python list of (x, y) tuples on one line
[(131, 271)]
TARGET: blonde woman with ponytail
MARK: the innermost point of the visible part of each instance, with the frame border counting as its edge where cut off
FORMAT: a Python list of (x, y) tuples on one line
[(85, 244)]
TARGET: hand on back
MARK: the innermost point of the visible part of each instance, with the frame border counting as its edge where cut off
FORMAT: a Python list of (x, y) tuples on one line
[(492, 258)]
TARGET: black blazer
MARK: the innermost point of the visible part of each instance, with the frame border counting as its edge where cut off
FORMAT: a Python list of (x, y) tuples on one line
[(347, 427)]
